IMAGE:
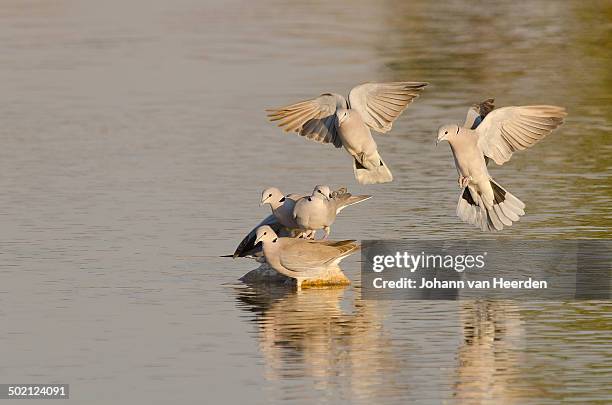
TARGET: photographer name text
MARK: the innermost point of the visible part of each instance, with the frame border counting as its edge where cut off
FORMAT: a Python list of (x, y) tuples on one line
[(434, 283)]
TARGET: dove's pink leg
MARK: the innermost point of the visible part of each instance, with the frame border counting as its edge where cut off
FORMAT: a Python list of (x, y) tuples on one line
[(464, 181)]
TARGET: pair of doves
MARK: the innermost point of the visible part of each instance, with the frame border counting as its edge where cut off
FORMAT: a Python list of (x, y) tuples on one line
[(487, 134), (298, 216)]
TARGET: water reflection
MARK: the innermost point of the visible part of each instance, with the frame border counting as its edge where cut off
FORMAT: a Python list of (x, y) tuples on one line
[(488, 360), (317, 335), (339, 345), (342, 345)]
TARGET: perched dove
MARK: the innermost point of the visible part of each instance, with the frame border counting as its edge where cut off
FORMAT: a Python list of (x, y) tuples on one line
[(319, 210), (331, 118), (482, 201), (281, 205), (303, 259), (281, 221)]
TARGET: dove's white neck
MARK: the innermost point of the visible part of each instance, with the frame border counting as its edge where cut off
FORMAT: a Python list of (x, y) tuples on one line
[(271, 251), (275, 203), (464, 137)]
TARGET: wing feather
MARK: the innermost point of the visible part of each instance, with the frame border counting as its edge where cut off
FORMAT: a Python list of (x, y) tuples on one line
[(247, 246), (508, 129), (303, 255), (313, 119), (478, 112), (381, 103)]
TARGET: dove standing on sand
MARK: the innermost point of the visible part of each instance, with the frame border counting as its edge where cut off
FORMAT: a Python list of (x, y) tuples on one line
[(331, 118), (319, 210), (483, 202), (303, 259)]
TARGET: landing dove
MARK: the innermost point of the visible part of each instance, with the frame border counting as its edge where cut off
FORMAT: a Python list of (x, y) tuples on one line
[(483, 202), (331, 118), (303, 259), (319, 210)]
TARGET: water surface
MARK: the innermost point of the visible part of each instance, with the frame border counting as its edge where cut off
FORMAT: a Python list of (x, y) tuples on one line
[(134, 150)]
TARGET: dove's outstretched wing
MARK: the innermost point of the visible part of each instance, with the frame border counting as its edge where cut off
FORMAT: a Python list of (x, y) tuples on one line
[(314, 119), (379, 104), (508, 129)]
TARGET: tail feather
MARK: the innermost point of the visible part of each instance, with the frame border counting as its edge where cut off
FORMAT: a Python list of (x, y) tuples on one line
[(350, 200), (471, 210), (379, 173), (505, 210), (501, 215)]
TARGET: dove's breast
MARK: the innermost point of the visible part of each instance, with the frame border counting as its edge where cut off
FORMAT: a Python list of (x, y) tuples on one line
[(311, 214), (468, 157), (356, 136)]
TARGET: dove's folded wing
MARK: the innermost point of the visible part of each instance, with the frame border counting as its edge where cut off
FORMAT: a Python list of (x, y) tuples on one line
[(314, 119), (247, 246), (379, 104), (303, 255), (508, 129)]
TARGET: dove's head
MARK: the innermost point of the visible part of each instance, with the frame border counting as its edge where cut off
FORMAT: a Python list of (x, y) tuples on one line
[(341, 115), (447, 132), (271, 196), (265, 234), (322, 192)]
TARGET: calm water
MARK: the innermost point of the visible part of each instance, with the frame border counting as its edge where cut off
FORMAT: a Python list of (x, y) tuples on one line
[(134, 148)]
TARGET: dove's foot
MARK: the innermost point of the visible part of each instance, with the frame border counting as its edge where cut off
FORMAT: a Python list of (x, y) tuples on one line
[(327, 230), (464, 181), (310, 234)]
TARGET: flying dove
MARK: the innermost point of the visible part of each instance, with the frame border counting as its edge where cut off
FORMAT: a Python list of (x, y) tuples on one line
[(331, 118), (319, 210), (483, 202), (303, 259)]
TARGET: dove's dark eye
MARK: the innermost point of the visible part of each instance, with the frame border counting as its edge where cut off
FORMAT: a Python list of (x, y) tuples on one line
[(445, 132), (269, 195), (265, 233)]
